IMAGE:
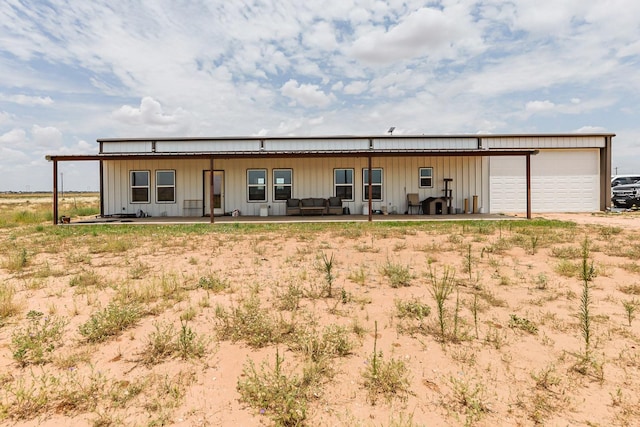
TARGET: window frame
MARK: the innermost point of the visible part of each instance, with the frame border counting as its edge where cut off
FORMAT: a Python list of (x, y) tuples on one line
[(365, 190), (250, 185), (160, 186), (276, 185), (420, 177), (351, 184), (133, 187)]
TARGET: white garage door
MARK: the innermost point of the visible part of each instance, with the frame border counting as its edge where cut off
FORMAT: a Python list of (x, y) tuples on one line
[(561, 181)]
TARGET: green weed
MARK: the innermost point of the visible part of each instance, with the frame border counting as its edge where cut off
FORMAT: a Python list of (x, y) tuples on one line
[(387, 378), (398, 275), (111, 321), (35, 343), (273, 393), (516, 322)]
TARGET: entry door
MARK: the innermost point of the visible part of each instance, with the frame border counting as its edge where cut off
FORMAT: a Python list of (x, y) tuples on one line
[(218, 193)]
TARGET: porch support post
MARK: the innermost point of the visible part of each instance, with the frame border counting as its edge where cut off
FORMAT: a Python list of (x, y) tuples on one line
[(55, 192), (370, 190), (101, 189), (211, 189), (528, 186)]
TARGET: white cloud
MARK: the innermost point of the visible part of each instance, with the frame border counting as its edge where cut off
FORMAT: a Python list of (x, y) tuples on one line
[(307, 95), (47, 137), (540, 106), (26, 99), (427, 32), (151, 116), (591, 129), (355, 88), (15, 137)]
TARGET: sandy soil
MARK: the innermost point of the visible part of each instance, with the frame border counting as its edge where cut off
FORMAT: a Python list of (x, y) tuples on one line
[(511, 358)]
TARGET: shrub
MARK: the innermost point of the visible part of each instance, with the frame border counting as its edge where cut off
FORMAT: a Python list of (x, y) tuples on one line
[(523, 324), (213, 283), (387, 378), (398, 275), (35, 343), (281, 397), (109, 322)]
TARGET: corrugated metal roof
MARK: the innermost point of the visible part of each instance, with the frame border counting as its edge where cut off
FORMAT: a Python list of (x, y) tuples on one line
[(300, 153), (333, 137)]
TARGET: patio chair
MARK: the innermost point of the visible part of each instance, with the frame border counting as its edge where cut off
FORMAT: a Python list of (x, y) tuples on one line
[(413, 201)]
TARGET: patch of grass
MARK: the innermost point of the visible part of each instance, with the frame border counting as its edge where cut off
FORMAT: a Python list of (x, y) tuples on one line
[(541, 281), (326, 267), (567, 268), (251, 323), (160, 344), (441, 289), (633, 289), (8, 306), (289, 300), (272, 392), (470, 398), (631, 267), (87, 279), (517, 322), (213, 282), (389, 379), (188, 344), (70, 393), (398, 274), (17, 260), (411, 313), (34, 344), (111, 321), (413, 309), (358, 276), (630, 307), (565, 252), (138, 270), (334, 341)]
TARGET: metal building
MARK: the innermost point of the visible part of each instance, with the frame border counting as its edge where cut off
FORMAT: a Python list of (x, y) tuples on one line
[(491, 173)]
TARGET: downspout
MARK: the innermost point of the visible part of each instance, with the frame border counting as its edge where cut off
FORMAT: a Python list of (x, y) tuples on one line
[(101, 151), (211, 189), (370, 190), (605, 174), (528, 186), (55, 192), (101, 189)]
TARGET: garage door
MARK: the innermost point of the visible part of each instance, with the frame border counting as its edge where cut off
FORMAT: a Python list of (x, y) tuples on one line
[(561, 181)]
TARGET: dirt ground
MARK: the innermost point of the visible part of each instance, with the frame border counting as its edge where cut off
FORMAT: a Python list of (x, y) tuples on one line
[(513, 353)]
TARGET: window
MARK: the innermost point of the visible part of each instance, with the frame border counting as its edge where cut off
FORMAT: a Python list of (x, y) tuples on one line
[(257, 185), (343, 183), (166, 186), (376, 184), (139, 182), (282, 184), (426, 177)]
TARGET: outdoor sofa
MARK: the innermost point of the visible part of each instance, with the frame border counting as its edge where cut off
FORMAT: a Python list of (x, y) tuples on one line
[(314, 206)]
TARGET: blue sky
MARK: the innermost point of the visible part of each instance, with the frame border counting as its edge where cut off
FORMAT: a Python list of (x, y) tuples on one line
[(74, 71)]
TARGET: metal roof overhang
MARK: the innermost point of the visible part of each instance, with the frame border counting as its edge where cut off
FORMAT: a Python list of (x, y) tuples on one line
[(371, 153), (284, 154)]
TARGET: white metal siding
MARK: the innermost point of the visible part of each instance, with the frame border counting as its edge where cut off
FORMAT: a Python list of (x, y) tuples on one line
[(524, 142), (561, 181), (315, 144), (127, 147), (419, 143), (206, 146), (312, 177)]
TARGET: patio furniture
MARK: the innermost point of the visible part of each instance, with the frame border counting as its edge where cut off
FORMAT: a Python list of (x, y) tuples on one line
[(413, 201)]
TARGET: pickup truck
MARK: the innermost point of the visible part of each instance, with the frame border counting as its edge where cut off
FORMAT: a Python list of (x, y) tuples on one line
[(626, 196)]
